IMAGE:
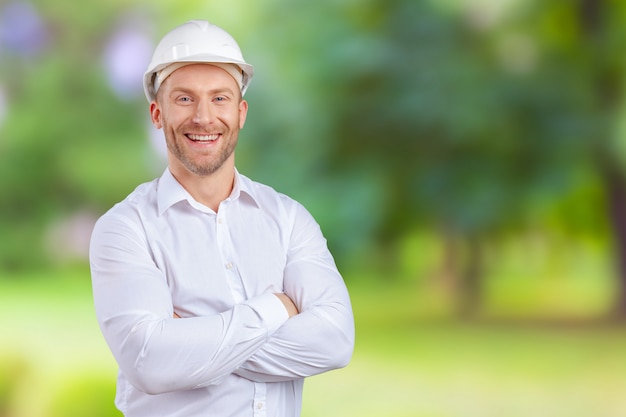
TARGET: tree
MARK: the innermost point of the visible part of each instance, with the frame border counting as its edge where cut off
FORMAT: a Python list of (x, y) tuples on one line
[(602, 39), (470, 126)]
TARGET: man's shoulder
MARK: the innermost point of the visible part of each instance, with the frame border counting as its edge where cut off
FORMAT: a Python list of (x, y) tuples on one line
[(142, 198), (263, 193)]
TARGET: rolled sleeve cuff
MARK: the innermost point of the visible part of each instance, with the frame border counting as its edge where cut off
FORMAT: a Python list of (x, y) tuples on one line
[(271, 311)]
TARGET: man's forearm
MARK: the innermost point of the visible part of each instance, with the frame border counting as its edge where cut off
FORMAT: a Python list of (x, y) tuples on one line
[(313, 342)]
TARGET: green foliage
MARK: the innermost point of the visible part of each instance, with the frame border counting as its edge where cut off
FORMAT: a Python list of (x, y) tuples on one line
[(476, 121), (444, 123), (67, 142)]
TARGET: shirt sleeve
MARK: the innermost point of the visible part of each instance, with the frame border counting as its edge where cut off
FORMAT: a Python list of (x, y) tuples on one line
[(156, 352), (321, 337)]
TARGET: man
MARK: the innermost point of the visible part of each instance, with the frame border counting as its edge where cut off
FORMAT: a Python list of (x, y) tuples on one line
[(216, 294)]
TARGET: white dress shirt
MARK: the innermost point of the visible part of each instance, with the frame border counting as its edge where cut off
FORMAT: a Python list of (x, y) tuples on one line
[(235, 351)]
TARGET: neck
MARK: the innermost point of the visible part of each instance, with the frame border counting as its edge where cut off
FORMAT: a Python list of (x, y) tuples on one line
[(209, 190)]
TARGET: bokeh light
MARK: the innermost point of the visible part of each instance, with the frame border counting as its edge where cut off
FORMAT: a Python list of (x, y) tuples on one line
[(22, 30), (126, 53)]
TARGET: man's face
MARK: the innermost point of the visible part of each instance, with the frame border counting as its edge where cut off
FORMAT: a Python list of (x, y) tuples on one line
[(200, 109)]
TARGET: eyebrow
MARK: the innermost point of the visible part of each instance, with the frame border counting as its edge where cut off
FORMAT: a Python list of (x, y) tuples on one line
[(210, 92)]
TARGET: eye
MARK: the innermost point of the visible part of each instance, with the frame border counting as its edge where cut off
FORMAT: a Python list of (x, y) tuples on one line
[(184, 99)]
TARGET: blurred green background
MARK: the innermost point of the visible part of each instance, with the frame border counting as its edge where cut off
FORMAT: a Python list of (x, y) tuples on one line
[(466, 160)]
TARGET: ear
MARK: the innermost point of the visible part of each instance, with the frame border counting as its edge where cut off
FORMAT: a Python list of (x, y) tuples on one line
[(243, 111), (155, 114)]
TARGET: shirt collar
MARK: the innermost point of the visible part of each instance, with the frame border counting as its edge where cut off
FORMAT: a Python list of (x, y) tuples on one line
[(170, 192)]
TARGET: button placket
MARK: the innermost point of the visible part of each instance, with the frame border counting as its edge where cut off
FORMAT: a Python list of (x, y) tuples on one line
[(260, 392), (226, 248)]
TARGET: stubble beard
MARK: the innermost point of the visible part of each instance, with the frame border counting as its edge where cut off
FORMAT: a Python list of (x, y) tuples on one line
[(206, 166)]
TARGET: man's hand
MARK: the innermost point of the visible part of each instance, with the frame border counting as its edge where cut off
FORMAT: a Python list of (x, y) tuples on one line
[(289, 305)]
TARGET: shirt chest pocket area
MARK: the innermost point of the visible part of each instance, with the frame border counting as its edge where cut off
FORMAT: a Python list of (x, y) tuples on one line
[(222, 262), (261, 264)]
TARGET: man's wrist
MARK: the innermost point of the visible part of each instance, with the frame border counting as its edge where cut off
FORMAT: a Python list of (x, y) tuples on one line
[(290, 306)]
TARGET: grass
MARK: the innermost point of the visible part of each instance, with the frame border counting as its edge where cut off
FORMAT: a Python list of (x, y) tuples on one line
[(467, 371), (404, 365), (49, 328)]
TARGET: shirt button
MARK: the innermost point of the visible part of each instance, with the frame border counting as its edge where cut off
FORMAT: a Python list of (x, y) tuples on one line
[(259, 406), (220, 220), (228, 265)]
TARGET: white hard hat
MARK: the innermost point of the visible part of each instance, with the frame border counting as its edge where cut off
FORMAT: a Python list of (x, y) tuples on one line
[(196, 41)]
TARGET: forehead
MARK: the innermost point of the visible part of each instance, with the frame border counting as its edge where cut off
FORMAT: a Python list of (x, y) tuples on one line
[(201, 76)]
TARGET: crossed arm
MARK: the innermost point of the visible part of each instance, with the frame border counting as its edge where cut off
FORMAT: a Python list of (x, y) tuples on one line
[(306, 330), (291, 308)]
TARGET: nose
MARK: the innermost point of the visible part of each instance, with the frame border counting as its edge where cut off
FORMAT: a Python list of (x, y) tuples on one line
[(204, 114)]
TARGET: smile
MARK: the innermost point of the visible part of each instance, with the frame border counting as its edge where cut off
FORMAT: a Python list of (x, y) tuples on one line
[(203, 138)]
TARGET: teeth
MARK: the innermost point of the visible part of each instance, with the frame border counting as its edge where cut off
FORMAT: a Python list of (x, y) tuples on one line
[(205, 138)]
